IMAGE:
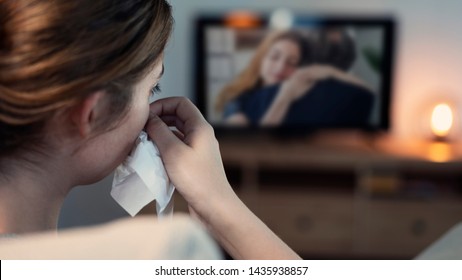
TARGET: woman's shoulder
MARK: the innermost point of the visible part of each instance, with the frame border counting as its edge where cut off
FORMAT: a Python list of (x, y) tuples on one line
[(7, 235), (178, 237)]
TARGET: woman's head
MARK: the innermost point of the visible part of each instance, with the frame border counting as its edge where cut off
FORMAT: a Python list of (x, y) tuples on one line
[(281, 58), (78, 63), (275, 59)]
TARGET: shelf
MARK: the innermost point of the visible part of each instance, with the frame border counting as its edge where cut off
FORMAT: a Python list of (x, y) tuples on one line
[(317, 223), (403, 227), (348, 194)]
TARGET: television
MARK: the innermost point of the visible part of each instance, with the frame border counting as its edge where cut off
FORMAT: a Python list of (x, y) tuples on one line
[(331, 72)]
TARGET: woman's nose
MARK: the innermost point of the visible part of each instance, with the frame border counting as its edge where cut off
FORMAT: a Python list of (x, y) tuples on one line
[(280, 67)]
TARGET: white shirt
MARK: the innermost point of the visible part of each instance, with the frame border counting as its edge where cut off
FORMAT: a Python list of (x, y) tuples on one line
[(130, 238)]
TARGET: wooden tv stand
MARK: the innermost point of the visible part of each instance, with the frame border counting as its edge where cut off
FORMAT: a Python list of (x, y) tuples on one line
[(348, 195)]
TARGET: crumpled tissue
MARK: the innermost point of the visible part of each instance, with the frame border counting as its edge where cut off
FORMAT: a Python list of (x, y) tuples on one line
[(142, 178)]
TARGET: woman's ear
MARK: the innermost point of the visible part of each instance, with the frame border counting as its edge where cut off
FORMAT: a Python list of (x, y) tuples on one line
[(87, 112)]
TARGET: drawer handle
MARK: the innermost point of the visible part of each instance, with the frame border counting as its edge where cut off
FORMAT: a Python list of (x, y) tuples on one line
[(303, 223)]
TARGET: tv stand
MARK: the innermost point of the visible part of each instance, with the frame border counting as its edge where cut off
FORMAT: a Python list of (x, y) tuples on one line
[(347, 194)]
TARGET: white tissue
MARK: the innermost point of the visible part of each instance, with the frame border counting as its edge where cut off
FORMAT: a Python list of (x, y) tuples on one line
[(142, 178)]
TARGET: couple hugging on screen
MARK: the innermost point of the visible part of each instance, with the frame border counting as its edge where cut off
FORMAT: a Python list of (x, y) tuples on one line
[(298, 79)]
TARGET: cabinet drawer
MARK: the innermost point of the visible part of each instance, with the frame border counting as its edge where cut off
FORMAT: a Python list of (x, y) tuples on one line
[(308, 222), (403, 228)]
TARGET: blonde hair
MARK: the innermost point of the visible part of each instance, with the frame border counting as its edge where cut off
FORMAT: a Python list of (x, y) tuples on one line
[(250, 77)]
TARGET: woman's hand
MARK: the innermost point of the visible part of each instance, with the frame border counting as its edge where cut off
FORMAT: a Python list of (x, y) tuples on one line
[(302, 80), (191, 154), (192, 159), (294, 88), (305, 77)]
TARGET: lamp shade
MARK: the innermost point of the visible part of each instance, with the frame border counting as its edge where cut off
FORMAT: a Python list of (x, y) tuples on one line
[(442, 120)]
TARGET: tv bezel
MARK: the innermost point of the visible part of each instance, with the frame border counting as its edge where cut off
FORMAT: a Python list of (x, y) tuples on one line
[(388, 23)]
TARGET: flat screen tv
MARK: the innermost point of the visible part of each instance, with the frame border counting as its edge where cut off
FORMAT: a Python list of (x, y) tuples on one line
[(317, 72)]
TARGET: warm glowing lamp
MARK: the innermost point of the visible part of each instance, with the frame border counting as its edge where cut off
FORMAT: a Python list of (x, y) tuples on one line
[(242, 19), (442, 120)]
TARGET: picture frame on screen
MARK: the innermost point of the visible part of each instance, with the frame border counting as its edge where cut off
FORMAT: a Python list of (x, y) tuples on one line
[(319, 72)]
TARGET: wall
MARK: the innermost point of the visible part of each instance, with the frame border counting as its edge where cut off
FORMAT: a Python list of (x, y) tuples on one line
[(428, 64)]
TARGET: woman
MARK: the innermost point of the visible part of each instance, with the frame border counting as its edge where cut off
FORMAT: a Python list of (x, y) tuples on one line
[(75, 83), (279, 59), (275, 60)]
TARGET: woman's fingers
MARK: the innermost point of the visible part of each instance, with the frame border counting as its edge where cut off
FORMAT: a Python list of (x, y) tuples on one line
[(182, 108), (161, 134), (181, 113), (173, 121)]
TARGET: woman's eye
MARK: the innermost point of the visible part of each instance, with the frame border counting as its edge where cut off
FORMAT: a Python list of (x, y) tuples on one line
[(155, 90), (274, 57)]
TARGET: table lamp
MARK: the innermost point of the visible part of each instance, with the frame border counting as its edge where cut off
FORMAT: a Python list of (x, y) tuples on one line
[(442, 121)]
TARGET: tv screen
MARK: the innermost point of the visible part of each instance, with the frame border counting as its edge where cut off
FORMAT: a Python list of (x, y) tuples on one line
[(315, 73)]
